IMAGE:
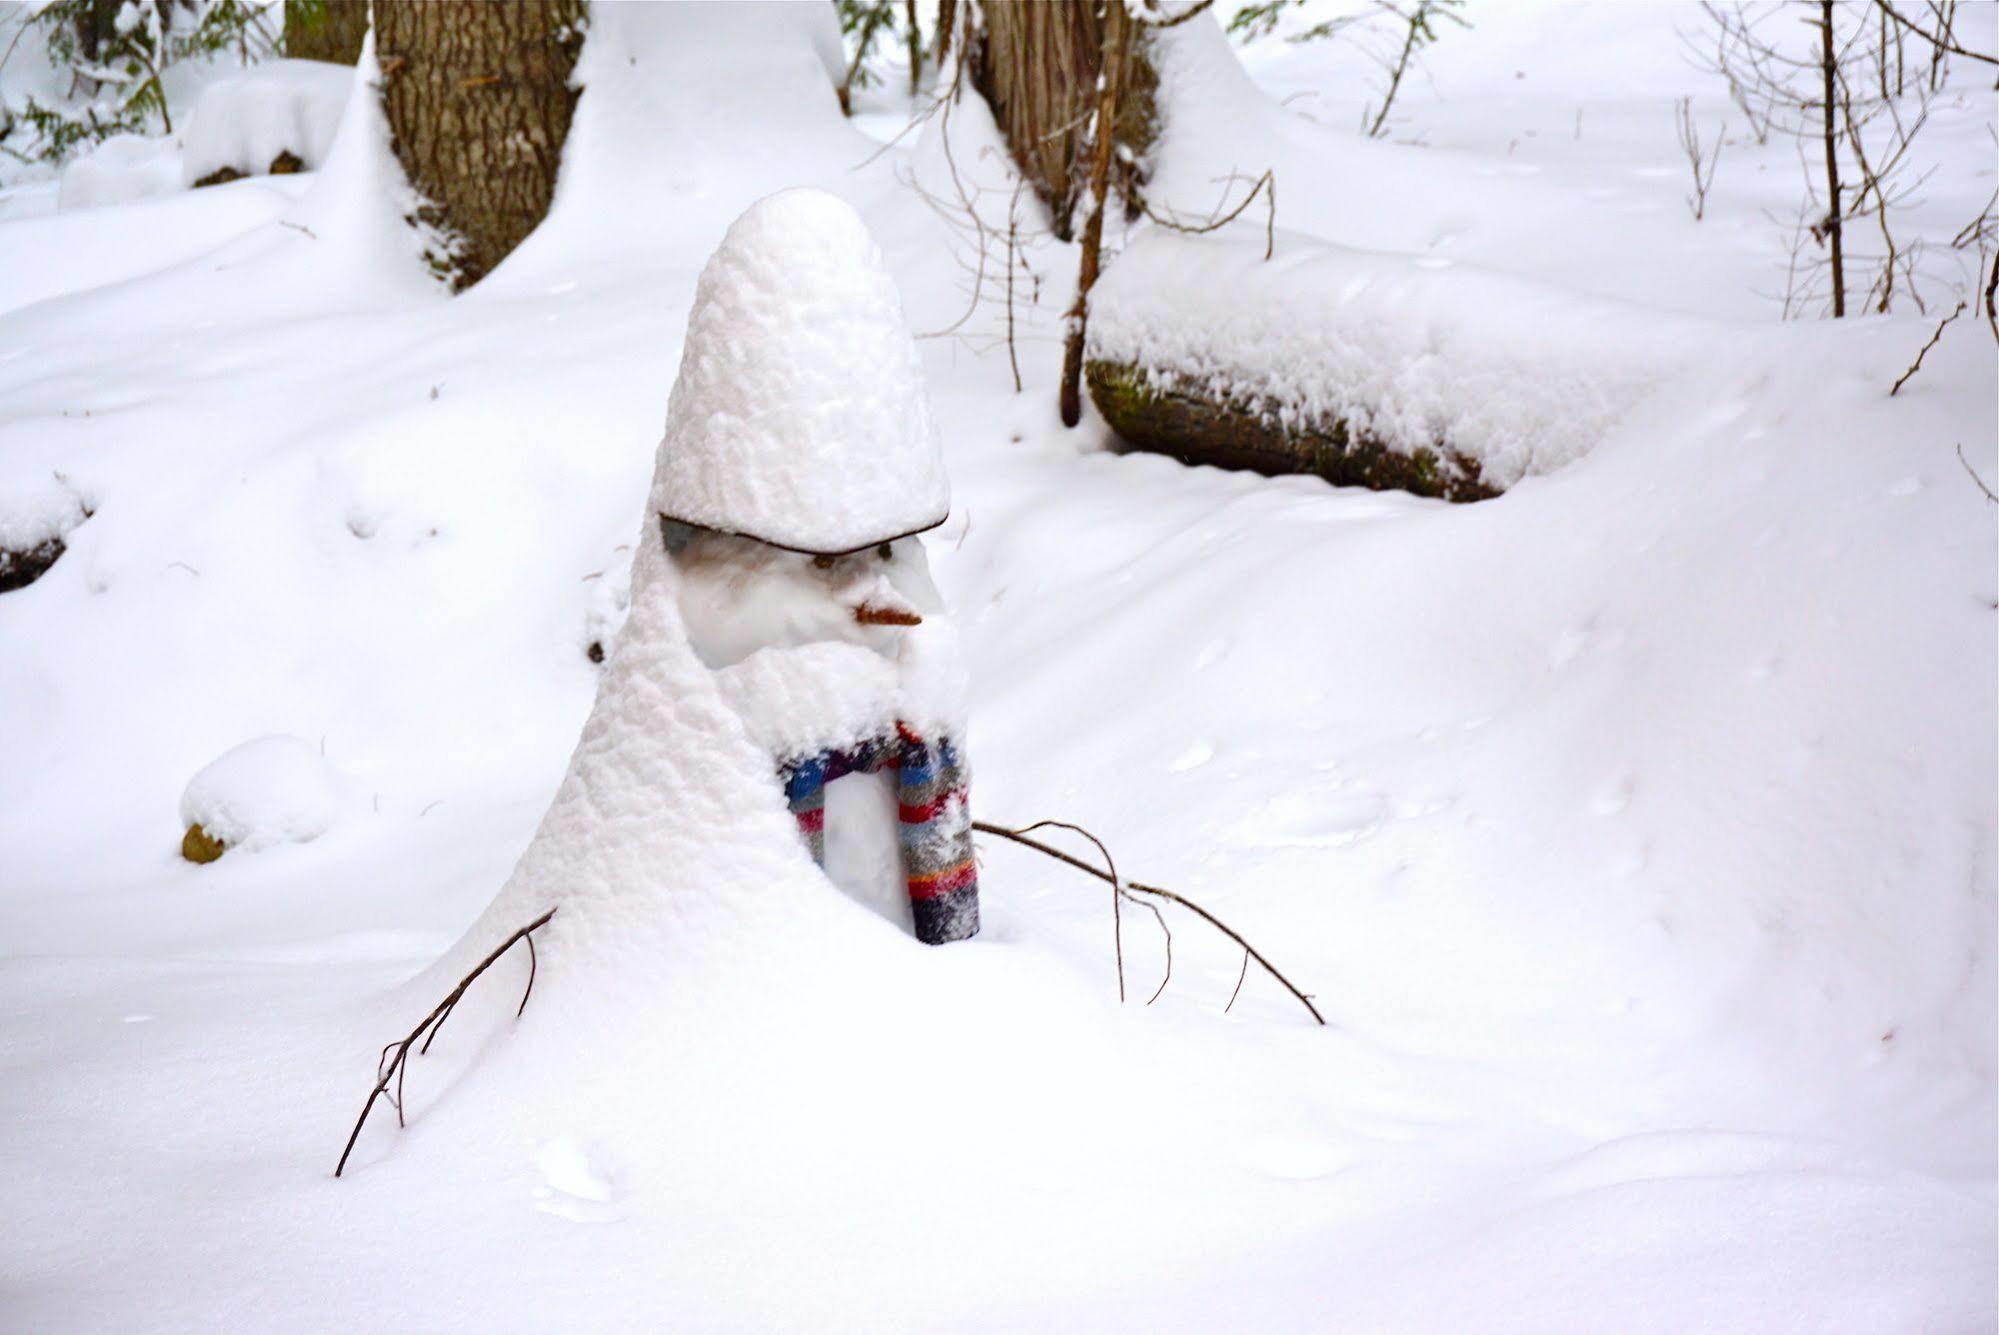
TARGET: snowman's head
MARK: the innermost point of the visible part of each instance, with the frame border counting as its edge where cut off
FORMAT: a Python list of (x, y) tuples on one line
[(738, 595), (799, 417)]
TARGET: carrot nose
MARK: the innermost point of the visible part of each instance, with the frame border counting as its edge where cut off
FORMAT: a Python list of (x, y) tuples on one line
[(868, 614)]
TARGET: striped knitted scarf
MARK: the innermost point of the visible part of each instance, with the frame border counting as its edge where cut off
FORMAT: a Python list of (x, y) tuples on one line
[(936, 822)]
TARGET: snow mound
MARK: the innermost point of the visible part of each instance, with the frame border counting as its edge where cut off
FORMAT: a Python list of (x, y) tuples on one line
[(123, 169), (1519, 378), (38, 509), (272, 790), (800, 416), (245, 122)]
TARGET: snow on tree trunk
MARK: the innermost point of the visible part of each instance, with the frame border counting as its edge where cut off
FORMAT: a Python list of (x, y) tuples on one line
[(330, 30), (1036, 64), (478, 102)]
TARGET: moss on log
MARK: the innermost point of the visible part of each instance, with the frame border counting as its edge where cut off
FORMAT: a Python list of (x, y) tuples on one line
[(1198, 427)]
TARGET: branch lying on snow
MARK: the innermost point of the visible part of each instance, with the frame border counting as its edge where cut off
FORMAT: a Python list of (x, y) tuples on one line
[(1125, 889), (394, 1060)]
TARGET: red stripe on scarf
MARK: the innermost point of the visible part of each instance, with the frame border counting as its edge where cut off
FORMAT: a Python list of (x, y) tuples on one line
[(938, 884), (929, 810)]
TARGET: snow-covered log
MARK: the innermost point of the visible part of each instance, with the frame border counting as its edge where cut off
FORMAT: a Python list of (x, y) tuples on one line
[(1202, 424), (1373, 370)]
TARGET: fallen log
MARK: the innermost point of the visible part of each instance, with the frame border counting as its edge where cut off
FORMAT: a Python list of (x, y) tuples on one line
[(1196, 426)]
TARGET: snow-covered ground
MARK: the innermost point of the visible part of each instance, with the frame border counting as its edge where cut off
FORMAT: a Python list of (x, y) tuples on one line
[(1635, 831)]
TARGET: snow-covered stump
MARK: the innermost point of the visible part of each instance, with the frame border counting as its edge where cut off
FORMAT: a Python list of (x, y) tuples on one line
[(1198, 425)]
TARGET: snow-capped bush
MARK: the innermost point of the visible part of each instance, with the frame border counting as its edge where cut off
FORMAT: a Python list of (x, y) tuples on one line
[(113, 74), (248, 121), (272, 790)]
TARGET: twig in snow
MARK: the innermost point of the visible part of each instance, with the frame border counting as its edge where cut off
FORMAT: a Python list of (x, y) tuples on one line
[(1244, 973), (1974, 474), (1917, 365), (1690, 144), (1117, 886), (1020, 837), (299, 227), (394, 1061)]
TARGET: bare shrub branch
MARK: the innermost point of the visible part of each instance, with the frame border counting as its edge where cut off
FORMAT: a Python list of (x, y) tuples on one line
[(394, 1061), (1135, 887)]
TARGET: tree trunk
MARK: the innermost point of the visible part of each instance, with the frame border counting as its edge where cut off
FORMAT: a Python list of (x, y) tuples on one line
[(1117, 45), (325, 29), (1829, 67), (478, 102), (1036, 63)]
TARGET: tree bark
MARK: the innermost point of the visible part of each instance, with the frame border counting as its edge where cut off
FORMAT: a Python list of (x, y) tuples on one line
[(1116, 48), (1036, 64), (1197, 426), (478, 102), (330, 30)]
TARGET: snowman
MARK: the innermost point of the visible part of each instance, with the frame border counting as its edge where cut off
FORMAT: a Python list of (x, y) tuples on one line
[(798, 470)]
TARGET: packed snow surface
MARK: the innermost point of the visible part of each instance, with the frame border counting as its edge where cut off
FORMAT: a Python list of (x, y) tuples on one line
[(270, 790), (799, 416), (1634, 831), (121, 170)]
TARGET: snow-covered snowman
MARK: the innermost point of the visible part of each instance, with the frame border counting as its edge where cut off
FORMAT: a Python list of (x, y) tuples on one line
[(799, 467)]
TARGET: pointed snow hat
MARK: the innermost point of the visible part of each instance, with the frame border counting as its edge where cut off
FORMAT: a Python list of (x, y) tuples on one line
[(800, 417)]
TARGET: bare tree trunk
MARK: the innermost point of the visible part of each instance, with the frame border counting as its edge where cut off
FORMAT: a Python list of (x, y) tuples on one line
[(1036, 63), (947, 22), (478, 102), (325, 29), (1829, 65), (915, 47), (1116, 43)]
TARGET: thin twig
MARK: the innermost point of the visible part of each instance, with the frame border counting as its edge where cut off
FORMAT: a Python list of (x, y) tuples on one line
[(1117, 887), (1199, 7), (1917, 365), (1940, 43), (393, 1063), (1974, 474), (1020, 837), (1267, 181), (1244, 973)]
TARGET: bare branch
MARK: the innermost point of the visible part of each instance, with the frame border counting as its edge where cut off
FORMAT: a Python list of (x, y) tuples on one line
[(1940, 42), (394, 1064), (1020, 837), (1974, 474), (1266, 183)]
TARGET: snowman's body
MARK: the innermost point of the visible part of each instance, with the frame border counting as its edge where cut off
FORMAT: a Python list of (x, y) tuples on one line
[(843, 668), (800, 465)]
